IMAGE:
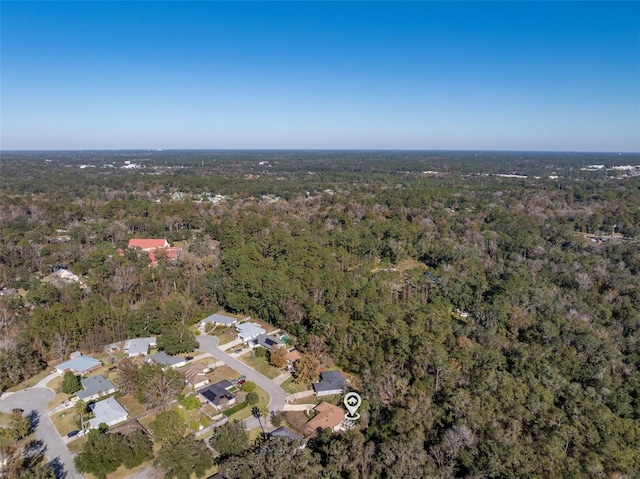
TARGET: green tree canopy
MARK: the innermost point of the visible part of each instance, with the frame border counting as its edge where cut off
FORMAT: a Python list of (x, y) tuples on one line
[(230, 439), (187, 456), (168, 426), (70, 383)]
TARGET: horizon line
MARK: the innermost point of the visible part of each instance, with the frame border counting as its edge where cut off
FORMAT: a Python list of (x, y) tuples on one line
[(466, 150)]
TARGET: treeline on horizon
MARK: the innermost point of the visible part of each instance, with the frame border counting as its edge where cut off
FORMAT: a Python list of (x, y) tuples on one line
[(377, 259)]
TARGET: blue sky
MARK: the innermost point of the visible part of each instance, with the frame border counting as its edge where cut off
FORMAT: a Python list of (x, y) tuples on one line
[(388, 75)]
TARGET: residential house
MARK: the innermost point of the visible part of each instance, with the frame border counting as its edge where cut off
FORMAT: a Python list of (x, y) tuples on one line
[(266, 342), (218, 319), (79, 364), (327, 416), (108, 411), (166, 360), (249, 331), (153, 245), (293, 355), (148, 244), (95, 387), (285, 432), (139, 346), (195, 375), (218, 395), (331, 382)]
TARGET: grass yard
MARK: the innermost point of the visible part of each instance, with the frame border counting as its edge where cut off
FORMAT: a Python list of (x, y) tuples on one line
[(194, 419), (225, 335), (66, 421), (60, 397), (295, 420), (259, 364), (29, 383), (223, 372), (246, 412), (147, 420), (131, 404), (122, 472), (75, 446), (292, 387)]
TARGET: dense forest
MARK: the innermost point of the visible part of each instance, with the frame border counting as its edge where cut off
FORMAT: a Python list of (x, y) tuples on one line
[(487, 305)]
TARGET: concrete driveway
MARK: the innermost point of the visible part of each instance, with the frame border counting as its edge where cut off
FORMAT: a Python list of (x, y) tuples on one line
[(277, 396), (36, 399)]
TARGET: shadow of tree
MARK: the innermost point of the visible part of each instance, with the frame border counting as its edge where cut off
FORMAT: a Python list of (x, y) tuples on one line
[(33, 453), (34, 419), (58, 468)]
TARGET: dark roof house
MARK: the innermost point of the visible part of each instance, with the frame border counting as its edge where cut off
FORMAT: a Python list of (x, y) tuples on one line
[(94, 387), (285, 432), (331, 382), (217, 395), (266, 342)]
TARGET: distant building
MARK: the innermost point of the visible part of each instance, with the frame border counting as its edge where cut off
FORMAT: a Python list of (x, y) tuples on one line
[(148, 244), (153, 245), (331, 382)]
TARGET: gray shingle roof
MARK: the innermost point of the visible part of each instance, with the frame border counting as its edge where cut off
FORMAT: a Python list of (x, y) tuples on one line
[(329, 381), (164, 358), (94, 385), (220, 319)]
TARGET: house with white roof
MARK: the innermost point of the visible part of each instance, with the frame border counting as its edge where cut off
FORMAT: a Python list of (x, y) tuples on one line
[(249, 331), (79, 364), (109, 412), (218, 319), (139, 346)]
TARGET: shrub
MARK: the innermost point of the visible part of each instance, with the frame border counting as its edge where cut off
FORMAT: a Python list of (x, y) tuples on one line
[(252, 398), (249, 387)]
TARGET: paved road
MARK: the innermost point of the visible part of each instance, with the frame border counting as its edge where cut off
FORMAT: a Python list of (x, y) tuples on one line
[(37, 399), (277, 400)]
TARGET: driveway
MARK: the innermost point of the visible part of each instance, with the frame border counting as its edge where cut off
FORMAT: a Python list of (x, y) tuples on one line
[(277, 400), (36, 399)]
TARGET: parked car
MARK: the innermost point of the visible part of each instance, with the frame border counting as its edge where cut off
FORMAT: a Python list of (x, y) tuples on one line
[(241, 382), (73, 433), (238, 351), (242, 378)]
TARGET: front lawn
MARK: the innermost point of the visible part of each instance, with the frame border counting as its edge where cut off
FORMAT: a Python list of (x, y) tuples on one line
[(222, 372), (263, 400), (67, 421), (259, 364), (292, 387)]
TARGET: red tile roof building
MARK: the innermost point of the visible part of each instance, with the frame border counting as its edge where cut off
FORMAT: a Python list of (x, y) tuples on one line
[(148, 244)]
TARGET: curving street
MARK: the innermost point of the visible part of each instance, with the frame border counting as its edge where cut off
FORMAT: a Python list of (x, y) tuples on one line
[(277, 396), (36, 399)]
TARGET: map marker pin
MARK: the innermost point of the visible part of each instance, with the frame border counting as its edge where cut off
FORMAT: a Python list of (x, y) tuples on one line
[(352, 401)]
